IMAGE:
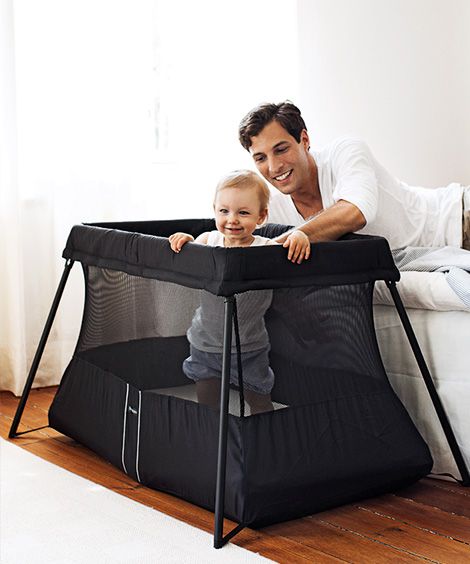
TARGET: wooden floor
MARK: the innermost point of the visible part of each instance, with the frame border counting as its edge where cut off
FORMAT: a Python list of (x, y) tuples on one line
[(428, 522)]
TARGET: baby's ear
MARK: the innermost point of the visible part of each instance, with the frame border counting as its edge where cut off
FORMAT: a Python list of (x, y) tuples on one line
[(263, 216)]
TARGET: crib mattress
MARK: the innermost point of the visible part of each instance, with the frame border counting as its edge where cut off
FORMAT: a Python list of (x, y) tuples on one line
[(188, 392)]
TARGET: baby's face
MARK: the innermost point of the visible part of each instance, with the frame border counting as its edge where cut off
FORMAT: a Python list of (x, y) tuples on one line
[(237, 213)]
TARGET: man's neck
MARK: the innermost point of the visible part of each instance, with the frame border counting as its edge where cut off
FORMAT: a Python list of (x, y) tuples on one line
[(307, 199)]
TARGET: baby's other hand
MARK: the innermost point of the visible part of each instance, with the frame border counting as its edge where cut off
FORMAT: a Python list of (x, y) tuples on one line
[(177, 240), (299, 246)]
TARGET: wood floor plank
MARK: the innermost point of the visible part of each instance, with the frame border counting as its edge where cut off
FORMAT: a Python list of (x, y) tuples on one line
[(8, 403), (31, 427), (33, 417), (397, 534), (421, 516), (49, 391), (287, 551), (30, 436), (41, 398), (339, 542), (40, 401), (447, 485), (5, 424), (437, 497)]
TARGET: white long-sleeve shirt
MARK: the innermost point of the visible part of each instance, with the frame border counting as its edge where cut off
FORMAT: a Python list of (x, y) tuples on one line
[(405, 215)]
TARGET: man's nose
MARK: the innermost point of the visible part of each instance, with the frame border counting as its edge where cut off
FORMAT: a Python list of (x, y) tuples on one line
[(274, 165)]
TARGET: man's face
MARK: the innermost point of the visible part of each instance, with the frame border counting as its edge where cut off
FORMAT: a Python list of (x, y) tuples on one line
[(280, 159)]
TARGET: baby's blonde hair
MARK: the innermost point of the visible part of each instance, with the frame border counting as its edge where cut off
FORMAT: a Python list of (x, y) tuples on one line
[(245, 179)]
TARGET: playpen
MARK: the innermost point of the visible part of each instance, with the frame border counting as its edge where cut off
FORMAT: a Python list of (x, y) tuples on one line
[(337, 431)]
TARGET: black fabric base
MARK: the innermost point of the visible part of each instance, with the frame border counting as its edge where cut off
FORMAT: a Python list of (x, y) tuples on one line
[(280, 465)]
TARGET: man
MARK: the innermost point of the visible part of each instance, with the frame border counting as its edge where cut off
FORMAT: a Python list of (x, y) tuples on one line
[(343, 189)]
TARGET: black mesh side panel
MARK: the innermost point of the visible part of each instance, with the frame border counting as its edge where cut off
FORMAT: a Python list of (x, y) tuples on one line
[(135, 328), (323, 344), (120, 307), (144, 363)]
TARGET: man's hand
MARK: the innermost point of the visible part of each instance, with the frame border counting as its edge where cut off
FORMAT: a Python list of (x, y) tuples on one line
[(330, 224), (177, 240), (298, 245)]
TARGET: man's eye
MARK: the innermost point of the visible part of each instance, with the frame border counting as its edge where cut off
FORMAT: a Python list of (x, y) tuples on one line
[(259, 159), (281, 149)]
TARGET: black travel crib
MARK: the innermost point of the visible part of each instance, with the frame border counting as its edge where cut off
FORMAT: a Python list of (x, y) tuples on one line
[(337, 433)]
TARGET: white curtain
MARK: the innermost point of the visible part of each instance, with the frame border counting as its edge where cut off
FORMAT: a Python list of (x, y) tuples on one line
[(12, 332), (83, 84)]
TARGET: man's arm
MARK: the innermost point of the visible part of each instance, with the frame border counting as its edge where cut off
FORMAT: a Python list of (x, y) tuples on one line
[(330, 224)]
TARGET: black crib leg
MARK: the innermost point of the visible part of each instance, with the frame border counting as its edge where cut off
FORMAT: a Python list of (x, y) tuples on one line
[(436, 400), (42, 343), (219, 539)]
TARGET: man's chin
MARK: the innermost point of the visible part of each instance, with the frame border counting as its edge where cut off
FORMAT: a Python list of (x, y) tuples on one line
[(287, 189)]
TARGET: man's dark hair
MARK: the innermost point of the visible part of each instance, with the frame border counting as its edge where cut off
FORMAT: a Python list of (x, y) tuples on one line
[(285, 113)]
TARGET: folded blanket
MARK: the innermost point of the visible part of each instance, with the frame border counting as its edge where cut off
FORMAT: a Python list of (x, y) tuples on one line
[(452, 261)]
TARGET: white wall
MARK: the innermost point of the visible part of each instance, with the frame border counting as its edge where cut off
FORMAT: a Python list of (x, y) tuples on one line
[(85, 92), (396, 73)]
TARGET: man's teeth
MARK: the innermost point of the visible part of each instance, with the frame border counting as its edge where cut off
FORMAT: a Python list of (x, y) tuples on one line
[(283, 176)]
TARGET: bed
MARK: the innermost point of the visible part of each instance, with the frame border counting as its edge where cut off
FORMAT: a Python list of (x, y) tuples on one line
[(441, 322)]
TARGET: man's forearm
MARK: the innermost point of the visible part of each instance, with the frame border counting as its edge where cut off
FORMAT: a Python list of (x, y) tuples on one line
[(330, 224)]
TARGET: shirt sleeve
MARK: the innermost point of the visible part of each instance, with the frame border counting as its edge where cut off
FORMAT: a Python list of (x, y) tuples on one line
[(353, 167)]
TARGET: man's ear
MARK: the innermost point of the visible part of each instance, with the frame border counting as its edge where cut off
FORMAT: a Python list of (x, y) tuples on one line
[(304, 139)]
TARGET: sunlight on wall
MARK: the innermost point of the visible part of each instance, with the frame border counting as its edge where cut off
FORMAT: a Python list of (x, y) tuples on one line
[(214, 61), (93, 75)]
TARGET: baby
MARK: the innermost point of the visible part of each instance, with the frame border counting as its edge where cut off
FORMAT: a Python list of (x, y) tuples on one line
[(240, 206)]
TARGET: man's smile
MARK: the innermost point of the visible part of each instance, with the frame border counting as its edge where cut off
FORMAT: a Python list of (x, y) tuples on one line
[(283, 176)]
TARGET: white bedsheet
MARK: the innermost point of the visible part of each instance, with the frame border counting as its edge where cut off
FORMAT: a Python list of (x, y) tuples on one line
[(422, 290), (452, 261), (444, 338)]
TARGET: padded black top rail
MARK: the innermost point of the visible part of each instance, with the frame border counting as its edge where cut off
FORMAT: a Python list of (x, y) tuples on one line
[(141, 249)]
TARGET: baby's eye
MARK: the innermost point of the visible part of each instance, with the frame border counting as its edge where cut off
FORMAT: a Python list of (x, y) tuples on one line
[(223, 210), (243, 212)]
